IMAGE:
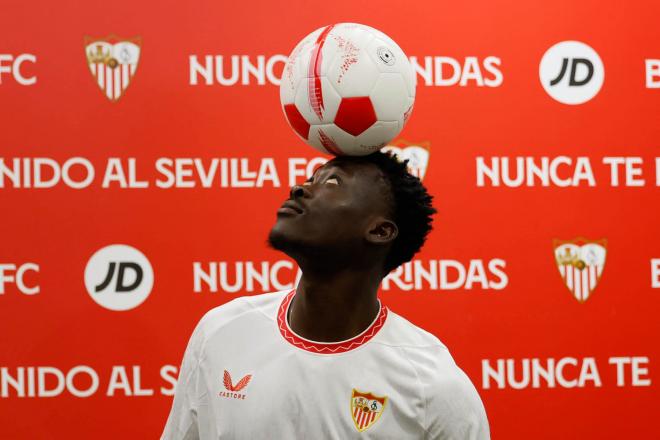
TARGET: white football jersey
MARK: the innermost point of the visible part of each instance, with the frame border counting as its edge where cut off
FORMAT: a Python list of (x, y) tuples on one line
[(246, 375)]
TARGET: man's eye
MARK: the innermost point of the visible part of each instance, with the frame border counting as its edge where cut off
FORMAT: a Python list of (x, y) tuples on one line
[(333, 181)]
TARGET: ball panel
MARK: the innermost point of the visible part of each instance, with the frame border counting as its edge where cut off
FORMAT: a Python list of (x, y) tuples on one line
[(409, 79), (389, 58), (321, 55), (288, 88), (332, 139), (352, 72), (320, 107), (315, 141), (296, 66), (296, 120), (377, 136), (307, 60), (389, 97), (355, 115), (385, 56)]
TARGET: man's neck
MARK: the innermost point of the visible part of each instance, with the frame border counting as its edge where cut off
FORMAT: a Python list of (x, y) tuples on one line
[(337, 307)]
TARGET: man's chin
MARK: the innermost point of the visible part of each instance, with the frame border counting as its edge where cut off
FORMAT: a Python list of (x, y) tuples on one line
[(285, 241), (280, 241)]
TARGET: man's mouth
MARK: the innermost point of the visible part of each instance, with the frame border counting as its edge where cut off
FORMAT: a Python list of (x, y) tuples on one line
[(290, 207)]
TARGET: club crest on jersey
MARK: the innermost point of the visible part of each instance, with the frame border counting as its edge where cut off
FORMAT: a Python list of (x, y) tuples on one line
[(366, 409), (580, 264), (232, 391), (418, 155), (113, 61)]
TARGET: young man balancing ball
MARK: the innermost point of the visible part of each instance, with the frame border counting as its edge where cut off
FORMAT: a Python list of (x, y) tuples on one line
[(327, 360)]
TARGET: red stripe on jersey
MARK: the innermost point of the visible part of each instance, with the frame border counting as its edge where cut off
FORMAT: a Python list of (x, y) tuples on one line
[(326, 347)]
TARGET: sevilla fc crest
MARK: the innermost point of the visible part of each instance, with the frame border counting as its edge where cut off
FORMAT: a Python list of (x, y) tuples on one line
[(113, 62), (366, 409), (417, 154), (580, 264)]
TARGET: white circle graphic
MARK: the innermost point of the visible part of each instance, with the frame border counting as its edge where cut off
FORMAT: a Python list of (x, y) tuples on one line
[(119, 277), (571, 72)]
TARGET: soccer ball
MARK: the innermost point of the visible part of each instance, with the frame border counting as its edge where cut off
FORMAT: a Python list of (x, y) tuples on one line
[(347, 89)]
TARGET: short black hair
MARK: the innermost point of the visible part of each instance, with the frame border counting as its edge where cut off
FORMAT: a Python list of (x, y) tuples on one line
[(411, 204)]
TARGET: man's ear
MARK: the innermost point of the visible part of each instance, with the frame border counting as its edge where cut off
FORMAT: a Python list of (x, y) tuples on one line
[(382, 231)]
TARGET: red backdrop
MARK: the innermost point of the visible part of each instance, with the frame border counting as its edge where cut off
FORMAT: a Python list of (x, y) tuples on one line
[(548, 363)]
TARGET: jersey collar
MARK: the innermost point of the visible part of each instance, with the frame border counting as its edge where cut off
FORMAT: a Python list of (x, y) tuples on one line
[(326, 347)]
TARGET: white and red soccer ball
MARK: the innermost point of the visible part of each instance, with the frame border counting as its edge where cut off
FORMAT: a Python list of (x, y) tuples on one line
[(347, 89)]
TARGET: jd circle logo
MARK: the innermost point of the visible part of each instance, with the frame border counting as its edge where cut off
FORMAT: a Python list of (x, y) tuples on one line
[(571, 72), (119, 277)]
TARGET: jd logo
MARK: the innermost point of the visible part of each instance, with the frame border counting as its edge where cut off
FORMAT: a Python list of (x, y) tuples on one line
[(121, 287), (119, 277), (572, 81), (571, 72)]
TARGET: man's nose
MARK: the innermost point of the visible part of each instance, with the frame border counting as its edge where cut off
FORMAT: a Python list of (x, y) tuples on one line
[(298, 191)]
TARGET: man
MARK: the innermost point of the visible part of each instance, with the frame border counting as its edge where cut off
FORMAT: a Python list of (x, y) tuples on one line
[(327, 360)]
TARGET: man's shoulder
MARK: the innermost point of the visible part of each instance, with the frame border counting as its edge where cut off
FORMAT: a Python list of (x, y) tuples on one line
[(402, 333), (453, 405), (263, 306), (426, 352)]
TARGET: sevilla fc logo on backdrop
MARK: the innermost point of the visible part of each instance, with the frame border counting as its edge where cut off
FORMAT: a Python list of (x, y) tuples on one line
[(113, 62), (366, 409), (580, 264), (418, 155)]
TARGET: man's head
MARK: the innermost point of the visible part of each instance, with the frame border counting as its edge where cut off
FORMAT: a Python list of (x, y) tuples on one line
[(355, 212)]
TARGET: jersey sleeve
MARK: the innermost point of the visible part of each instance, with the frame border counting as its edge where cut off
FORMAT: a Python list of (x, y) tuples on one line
[(454, 410), (182, 421)]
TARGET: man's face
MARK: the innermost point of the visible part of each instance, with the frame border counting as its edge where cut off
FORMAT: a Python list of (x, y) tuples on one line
[(332, 211)]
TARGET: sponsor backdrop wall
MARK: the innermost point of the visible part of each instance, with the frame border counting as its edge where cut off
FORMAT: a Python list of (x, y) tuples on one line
[(144, 153)]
